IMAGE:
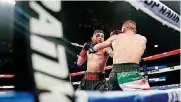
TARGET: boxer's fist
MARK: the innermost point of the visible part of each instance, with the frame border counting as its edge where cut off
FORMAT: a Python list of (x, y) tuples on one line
[(86, 46), (91, 48)]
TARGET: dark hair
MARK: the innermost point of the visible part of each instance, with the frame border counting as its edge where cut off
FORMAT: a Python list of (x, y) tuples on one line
[(98, 31)]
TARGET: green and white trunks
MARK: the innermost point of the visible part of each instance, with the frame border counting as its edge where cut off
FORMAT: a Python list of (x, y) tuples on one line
[(127, 77)]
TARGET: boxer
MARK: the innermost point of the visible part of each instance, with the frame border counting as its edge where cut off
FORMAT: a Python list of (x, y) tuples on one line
[(128, 48), (94, 78)]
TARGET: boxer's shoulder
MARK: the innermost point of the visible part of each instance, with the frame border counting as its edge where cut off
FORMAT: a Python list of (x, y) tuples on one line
[(142, 38)]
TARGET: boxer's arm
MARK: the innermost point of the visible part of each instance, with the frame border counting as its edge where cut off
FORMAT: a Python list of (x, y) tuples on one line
[(82, 57), (109, 51), (104, 44), (107, 67), (83, 54), (144, 41)]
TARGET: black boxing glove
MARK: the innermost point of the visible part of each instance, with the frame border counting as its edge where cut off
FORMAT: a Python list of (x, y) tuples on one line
[(91, 48), (85, 49), (86, 46), (115, 32)]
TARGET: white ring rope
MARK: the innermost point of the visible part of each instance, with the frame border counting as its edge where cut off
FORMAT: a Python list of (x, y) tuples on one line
[(164, 70), (158, 11), (78, 45)]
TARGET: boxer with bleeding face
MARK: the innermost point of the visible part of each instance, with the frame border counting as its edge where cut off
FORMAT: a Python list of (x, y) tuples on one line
[(94, 78)]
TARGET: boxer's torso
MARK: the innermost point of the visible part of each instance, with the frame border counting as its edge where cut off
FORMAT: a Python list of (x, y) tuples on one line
[(128, 48), (96, 61)]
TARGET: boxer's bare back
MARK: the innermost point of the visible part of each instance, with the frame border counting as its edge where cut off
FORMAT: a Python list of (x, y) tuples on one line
[(128, 48)]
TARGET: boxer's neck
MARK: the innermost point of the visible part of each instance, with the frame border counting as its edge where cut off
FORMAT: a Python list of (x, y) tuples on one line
[(129, 32)]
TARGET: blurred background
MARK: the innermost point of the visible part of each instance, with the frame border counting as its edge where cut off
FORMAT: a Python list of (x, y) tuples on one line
[(79, 20)]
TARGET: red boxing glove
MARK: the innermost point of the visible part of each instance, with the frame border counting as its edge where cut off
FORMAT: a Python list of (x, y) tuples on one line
[(83, 53)]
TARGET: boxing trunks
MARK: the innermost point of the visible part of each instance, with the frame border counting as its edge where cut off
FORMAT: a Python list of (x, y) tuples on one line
[(127, 77), (93, 81)]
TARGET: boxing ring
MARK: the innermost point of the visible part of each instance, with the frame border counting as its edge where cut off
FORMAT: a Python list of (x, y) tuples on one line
[(7, 76), (165, 93), (172, 95), (149, 58)]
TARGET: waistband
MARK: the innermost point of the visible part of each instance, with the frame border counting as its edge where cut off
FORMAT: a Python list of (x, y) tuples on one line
[(125, 67), (94, 75)]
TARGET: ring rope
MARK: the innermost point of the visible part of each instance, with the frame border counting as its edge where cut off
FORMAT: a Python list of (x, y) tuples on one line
[(82, 72), (171, 95), (158, 56), (167, 69), (6, 76), (153, 67), (158, 11), (154, 57)]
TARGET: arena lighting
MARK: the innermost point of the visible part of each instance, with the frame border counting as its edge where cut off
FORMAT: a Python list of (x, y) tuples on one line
[(11, 2), (155, 46)]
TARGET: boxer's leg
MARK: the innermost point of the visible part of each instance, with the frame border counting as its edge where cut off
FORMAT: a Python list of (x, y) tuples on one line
[(113, 82), (132, 81)]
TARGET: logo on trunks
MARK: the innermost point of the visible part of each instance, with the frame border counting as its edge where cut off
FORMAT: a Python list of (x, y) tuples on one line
[(48, 58), (91, 76)]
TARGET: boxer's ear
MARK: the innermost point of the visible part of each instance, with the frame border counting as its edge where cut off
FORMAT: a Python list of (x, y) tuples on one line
[(123, 29), (92, 39), (111, 33)]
